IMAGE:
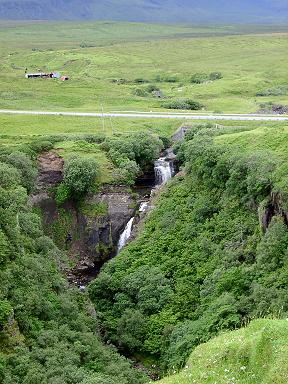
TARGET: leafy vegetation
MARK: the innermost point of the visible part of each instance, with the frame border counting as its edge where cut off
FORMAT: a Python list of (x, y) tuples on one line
[(47, 332), (133, 155), (275, 91), (202, 263), (199, 78), (183, 104), (211, 255)]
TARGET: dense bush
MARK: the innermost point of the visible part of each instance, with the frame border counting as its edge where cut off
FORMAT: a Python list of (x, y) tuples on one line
[(80, 175), (199, 78), (128, 170), (5, 312), (141, 80), (166, 78), (134, 154), (28, 172), (275, 91), (186, 104), (141, 92), (41, 145), (146, 91)]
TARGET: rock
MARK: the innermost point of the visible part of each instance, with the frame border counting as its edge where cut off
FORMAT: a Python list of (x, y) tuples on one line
[(50, 174)]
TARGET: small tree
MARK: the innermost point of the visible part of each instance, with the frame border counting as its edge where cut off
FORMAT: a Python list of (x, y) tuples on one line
[(80, 175)]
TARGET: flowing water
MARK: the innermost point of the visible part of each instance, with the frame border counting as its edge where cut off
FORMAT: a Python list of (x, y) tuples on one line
[(126, 234), (143, 207), (163, 171)]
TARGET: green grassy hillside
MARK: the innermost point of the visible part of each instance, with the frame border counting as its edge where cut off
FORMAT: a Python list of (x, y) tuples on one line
[(253, 355), (118, 76)]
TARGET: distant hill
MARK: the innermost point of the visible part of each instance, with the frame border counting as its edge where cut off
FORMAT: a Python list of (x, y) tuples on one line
[(178, 11)]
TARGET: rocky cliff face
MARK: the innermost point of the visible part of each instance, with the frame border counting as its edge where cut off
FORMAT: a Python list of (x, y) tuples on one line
[(89, 231), (273, 207)]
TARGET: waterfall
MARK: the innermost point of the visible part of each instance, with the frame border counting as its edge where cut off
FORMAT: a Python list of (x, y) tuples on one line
[(144, 206), (163, 171), (125, 235)]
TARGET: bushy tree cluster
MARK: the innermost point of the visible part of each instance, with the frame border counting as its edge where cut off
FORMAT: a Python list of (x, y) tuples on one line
[(133, 154), (79, 177)]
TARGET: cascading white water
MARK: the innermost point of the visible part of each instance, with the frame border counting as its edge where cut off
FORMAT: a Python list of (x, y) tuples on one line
[(126, 234), (144, 206), (163, 171)]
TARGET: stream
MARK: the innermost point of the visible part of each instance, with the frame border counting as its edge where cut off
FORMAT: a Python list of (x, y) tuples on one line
[(145, 187), (164, 170)]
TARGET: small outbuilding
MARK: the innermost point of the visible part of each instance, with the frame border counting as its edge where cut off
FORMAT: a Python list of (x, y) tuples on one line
[(38, 75), (43, 75)]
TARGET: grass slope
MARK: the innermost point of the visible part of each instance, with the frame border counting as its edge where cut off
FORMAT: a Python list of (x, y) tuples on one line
[(253, 355)]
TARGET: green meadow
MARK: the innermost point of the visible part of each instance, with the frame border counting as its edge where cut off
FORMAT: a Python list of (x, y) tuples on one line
[(109, 64)]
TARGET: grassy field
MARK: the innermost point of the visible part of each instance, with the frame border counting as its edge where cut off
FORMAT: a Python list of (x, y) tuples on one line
[(22, 128), (253, 355), (68, 35), (17, 127), (132, 51), (93, 55)]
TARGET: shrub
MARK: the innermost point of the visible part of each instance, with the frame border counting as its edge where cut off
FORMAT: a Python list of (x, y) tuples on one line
[(152, 88), (24, 165), (39, 146), (167, 142), (186, 104), (166, 78), (62, 194), (97, 138), (131, 329), (141, 148), (129, 170), (139, 92), (215, 76), (140, 80), (199, 78), (276, 91), (9, 176), (79, 175)]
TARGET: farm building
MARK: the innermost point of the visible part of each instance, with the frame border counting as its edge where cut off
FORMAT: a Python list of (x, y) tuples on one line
[(42, 75)]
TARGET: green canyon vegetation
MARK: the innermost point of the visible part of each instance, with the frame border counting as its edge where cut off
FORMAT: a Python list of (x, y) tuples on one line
[(210, 256)]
